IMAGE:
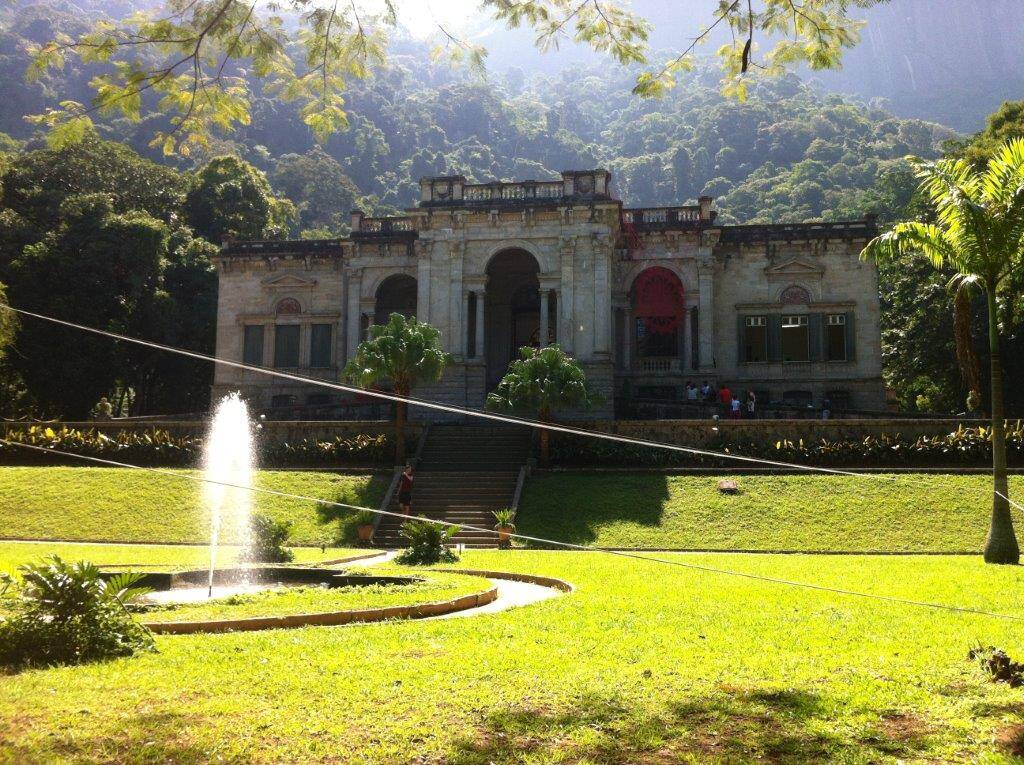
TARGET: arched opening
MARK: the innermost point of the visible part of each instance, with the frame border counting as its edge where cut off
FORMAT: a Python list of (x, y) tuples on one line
[(512, 309), (396, 294), (659, 317)]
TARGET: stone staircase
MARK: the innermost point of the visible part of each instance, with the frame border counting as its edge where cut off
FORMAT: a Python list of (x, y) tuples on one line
[(465, 472)]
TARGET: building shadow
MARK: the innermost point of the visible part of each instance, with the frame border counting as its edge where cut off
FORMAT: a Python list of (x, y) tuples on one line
[(571, 508), (785, 726)]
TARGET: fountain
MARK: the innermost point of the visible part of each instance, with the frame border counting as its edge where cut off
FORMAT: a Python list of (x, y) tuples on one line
[(228, 467)]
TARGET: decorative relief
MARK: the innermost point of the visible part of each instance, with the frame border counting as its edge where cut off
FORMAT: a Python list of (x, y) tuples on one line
[(288, 307), (795, 295)]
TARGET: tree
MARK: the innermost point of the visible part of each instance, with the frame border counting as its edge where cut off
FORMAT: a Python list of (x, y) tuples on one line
[(405, 353), (541, 382), (197, 61), (8, 322), (978, 233), (318, 186), (231, 199)]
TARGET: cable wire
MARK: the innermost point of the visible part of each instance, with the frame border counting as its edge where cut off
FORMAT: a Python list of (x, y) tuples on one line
[(528, 538)]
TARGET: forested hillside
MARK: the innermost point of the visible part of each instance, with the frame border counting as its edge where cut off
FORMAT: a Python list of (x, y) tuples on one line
[(786, 154)]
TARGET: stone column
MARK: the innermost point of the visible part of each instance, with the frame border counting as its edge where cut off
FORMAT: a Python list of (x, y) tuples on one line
[(353, 317), (465, 317), (628, 333), (687, 351), (481, 301), (602, 299), (456, 319), (706, 328), (423, 283), (544, 297), (567, 330)]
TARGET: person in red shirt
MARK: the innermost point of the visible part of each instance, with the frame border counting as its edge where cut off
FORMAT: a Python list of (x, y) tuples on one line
[(725, 396), (405, 491)]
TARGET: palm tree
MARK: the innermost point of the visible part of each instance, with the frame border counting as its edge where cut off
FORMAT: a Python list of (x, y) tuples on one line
[(404, 352), (978, 234), (543, 381)]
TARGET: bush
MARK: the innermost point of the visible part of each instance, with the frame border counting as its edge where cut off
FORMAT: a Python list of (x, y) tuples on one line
[(70, 614), (268, 537), (428, 543), (964, 446), (155, 447)]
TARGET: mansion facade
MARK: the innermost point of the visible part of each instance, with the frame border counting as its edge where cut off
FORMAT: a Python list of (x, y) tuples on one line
[(645, 299)]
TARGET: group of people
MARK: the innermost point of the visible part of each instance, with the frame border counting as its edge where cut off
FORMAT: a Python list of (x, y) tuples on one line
[(730, 404)]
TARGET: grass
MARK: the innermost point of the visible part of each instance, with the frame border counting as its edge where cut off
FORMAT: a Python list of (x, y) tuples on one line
[(310, 600), (113, 504), (643, 663), (919, 513), (147, 557)]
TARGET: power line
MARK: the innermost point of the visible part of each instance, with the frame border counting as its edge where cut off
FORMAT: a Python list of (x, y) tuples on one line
[(528, 538), (466, 411)]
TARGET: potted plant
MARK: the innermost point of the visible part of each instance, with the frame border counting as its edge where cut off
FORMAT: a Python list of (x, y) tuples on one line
[(504, 526), (364, 525)]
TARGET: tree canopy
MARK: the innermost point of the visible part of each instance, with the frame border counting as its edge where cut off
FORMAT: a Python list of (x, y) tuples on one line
[(203, 63)]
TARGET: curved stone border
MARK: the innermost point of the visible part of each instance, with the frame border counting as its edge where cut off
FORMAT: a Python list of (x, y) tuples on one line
[(330, 618), (543, 581)]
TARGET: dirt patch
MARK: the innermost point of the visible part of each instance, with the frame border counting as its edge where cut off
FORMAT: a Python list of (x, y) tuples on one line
[(1011, 740), (903, 726)]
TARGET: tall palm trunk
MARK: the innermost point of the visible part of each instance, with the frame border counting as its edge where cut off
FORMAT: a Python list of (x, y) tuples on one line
[(1001, 545)]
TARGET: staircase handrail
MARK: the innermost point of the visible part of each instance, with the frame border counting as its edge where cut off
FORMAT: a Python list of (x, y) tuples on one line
[(519, 488), (385, 504), (415, 461)]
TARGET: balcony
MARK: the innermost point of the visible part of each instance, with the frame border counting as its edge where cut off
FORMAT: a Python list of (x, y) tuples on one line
[(383, 230), (683, 218), (658, 365)]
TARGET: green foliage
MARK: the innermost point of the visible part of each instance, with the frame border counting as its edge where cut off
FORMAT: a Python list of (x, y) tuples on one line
[(428, 543), (542, 381), (156, 447), (963, 447), (403, 352), (230, 199), (320, 189), (267, 543), (977, 234), (505, 517), (8, 323), (70, 614), (191, 64)]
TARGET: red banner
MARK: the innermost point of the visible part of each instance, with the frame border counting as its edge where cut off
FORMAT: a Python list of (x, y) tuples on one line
[(659, 300)]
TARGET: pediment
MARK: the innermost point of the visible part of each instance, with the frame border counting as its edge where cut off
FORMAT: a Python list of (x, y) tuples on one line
[(288, 282), (794, 268)]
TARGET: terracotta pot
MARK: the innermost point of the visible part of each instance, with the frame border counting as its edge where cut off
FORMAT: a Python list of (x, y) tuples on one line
[(365, 532), (504, 532)]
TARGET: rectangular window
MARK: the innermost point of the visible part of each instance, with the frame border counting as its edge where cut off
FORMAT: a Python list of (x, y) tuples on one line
[(795, 340), (320, 345), (286, 345), (835, 337), (252, 345), (755, 339)]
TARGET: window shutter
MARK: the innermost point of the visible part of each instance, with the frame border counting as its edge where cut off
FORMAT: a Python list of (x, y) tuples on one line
[(814, 337), (741, 326), (851, 337), (774, 338)]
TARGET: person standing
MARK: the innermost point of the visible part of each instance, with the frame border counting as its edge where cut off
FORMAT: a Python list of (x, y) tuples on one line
[(826, 408), (691, 391), (735, 407), (405, 491), (725, 397), (751, 405)]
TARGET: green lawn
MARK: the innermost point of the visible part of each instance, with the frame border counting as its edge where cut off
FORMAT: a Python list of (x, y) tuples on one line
[(147, 557), (310, 600), (643, 663), (924, 513), (112, 504)]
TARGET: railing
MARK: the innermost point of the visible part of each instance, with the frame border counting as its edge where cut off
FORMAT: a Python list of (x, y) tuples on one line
[(386, 225), (656, 365), (522, 191), (283, 247), (662, 217)]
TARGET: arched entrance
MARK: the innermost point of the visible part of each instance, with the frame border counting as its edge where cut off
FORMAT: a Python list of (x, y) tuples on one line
[(396, 294), (659, 319), (512, 309)]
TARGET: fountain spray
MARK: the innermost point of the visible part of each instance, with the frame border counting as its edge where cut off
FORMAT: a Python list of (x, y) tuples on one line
[(228, 457)]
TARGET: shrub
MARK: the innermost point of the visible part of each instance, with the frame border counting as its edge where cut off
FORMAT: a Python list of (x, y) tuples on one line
[(66, 613), (267, 541), (428, 543), (505, 517)]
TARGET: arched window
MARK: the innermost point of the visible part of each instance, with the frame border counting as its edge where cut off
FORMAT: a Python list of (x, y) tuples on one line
[(658, 307), (396, 294), (288, 307), (795, 295)]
